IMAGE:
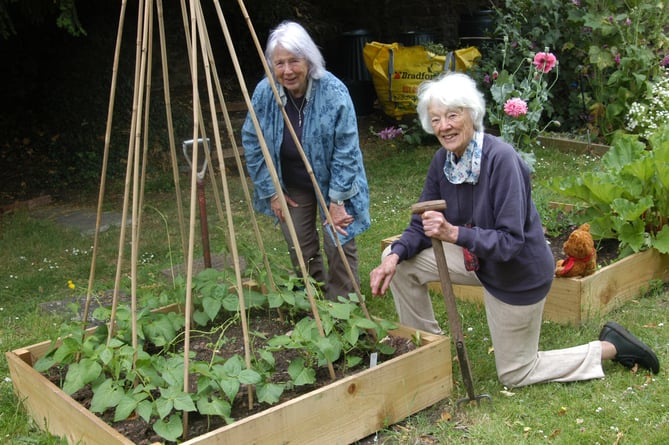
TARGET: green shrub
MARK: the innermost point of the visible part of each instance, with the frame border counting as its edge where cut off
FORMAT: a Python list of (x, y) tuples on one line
[(628, 199)]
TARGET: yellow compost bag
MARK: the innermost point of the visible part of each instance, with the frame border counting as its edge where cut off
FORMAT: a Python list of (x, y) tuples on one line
[(397, 71)]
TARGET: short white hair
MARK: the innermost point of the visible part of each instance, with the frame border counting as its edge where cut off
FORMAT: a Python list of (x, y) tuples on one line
[(452, 90), (292, 37)]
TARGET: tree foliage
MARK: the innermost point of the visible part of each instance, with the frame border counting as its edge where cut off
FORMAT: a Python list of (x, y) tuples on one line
[(35, 12)]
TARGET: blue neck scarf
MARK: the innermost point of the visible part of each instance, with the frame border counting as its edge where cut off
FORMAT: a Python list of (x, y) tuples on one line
[(468, 167)]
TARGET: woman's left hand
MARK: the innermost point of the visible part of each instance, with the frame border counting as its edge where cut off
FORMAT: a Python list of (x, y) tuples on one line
[(340, 218), (436, 226)]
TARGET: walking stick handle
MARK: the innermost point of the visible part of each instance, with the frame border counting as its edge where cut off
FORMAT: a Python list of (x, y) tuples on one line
[(438, 205)]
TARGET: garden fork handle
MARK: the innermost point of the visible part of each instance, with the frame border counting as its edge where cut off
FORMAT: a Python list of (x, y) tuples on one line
[(451, 307)]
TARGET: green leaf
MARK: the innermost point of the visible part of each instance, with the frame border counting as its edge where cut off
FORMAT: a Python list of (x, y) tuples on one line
[(184, 402), (145, 410), (125, 407), (364, 323), (385, 349), (249, 377), (269, 392), (275, 300), (300, 374), (330, 347), (230, 387), (631, 211), (231, 303), (216, 407), (200, 317), (267, 357), (164, 406), (352, 334), (661, 242), (80, 374), (280, 341), (161, 331), (626, 149), (341, 311), (633, 235), (106, 395), (66, 351), (353, 360), (170, 430), (233, 365), (44, 363), (211, 306)]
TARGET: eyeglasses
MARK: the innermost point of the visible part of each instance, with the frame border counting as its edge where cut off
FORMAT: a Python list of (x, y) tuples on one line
[(283, 64)]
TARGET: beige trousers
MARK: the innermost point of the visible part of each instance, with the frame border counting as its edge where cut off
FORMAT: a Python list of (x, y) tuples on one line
[(514, 330)]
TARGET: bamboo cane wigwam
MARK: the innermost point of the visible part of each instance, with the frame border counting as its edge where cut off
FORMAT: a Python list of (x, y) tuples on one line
[(342, 412)]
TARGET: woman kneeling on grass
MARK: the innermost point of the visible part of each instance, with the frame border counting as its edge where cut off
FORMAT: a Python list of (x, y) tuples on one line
[(492, 237)]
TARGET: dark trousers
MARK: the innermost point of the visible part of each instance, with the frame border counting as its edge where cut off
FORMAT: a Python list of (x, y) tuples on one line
[(305, 219)]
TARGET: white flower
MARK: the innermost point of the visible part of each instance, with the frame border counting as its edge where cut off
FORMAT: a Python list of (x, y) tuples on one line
[(646, 116)]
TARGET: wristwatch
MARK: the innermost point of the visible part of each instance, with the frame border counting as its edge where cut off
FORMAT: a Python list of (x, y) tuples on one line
[(339, 202)]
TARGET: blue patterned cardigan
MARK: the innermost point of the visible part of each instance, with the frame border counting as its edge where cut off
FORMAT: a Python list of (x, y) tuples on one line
[(329, 139)]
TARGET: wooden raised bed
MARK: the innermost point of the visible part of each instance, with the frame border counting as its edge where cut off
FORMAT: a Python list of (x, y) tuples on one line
[(339, 413), (572, 145), (573, 300)]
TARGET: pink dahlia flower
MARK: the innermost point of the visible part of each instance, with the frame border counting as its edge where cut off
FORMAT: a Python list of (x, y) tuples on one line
[(544, 61), (515, 107)]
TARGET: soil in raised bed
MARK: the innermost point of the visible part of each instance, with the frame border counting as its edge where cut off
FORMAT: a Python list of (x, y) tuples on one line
[(267, 324)]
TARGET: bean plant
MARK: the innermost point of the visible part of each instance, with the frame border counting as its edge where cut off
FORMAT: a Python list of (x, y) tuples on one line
[(149, 380)]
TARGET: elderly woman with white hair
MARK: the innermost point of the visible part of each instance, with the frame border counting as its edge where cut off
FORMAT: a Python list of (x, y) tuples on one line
[(321, 112), (492, 237)]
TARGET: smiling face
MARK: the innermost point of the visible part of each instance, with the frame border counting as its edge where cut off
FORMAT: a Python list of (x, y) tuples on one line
[(454, 128), (290, 71)]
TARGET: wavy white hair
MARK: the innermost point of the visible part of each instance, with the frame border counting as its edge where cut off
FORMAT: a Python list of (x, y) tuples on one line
[(452, 90), (292, 37)]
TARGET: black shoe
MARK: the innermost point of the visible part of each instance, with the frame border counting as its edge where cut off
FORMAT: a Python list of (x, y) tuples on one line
[(630, 349)]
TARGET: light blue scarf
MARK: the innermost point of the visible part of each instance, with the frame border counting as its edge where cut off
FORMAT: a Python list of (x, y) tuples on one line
[(468, 167)]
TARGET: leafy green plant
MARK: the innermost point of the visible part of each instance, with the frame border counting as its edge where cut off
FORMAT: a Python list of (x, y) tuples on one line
[(623, 43), (523, 28), (628, 199), (609, 53), (149, 379), (518, 99)]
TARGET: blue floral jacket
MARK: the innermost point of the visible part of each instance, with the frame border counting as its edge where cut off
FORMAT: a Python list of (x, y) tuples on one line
[(329, 139)]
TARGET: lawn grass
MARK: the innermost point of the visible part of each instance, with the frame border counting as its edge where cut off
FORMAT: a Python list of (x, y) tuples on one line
[(40, 257)]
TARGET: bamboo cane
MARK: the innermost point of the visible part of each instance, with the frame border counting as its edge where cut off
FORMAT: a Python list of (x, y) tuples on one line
[(105, 160), (240, 168), (128, 174), (232, 236), (170, 127)]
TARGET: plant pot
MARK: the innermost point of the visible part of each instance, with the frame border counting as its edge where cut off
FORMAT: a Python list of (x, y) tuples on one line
[(340, 413), (573, 300)]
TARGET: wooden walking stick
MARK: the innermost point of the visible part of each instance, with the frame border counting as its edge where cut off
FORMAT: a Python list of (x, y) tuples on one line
[(451, 308)]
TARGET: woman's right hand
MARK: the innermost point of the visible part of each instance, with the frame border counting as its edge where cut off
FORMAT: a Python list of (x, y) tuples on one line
[(380, 277), (276, 206)]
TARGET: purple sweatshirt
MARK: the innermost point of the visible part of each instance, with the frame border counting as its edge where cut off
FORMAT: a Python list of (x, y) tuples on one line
[(515, 263)]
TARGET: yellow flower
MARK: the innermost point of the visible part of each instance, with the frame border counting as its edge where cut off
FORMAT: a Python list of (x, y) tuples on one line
[(70, 284)]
